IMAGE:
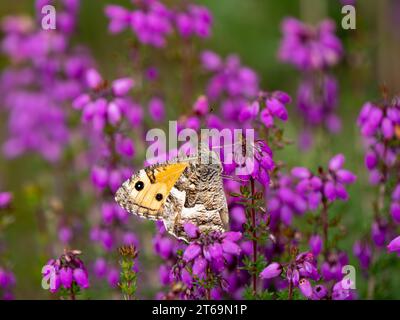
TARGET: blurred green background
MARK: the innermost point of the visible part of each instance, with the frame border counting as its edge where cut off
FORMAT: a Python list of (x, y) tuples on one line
[(250, 28)]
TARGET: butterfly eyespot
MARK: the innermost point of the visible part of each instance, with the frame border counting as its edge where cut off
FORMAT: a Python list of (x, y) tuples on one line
[(139, 185), (159, 196)]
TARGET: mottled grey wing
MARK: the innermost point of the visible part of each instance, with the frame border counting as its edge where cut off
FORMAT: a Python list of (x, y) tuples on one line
[(198, 197)]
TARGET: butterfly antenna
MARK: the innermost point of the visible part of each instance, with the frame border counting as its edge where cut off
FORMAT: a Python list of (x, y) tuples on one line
[(233, 178), (231, 144)]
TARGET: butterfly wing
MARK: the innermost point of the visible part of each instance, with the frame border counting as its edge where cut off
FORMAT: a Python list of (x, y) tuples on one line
[(145, 193), (198, 197)]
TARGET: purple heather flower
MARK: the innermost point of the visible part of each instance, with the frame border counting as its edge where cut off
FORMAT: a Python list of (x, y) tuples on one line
[(257, 167), (99, 177), (164, 274), (301, 173), (337, 178), (211, 250), (331, 269), (122, 86), (378, 126), (231, 82), (93, 78), (371, 160), (211, 61), (271, 271), (130, 238), (104, 105), (163, 246), (113, 277), (319, 292), (153, 25), (81, 278), (66, 277), (191, 230), (5, 199), (395, 211), (284, 201), (157, 109), (395, 206), (65, 234), (317, 103), (197, 20), (364, 254), (124, 146), (65, 271), (199, 267), (308, 47), (119, 18), (315, 244), (100, 267), (7, 279), (186, 278), (192, 251), (305, 288), (339, 292), (200, 107), (107, 240), (379, 232)]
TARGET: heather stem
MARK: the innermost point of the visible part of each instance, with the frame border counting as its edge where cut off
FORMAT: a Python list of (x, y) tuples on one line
[(290, 296), (208, 291), (253, 224), (208, 294), (72, 293)]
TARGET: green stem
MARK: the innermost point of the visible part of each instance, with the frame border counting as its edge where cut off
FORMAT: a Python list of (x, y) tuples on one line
[(253, 224)]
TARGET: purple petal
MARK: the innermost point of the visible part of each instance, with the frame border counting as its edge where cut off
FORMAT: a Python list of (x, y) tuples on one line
[(191, 252), (271, 271), (191, 230), (336, 162)]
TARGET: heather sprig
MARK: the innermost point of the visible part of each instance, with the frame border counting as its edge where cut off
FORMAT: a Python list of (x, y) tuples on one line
[(128, 276), (255, 230), (313, 51), (205, 258), (379, 125), (66, 274)]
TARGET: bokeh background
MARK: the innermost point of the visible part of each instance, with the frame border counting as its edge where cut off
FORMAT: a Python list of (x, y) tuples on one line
[(250, 29)]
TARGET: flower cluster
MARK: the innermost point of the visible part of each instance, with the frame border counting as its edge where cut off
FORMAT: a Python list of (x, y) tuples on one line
[(205, 258), (309, 48), (231, 84), (379, 125), (329, 185), (302, 272), (7, 282), (313, 51), (152, 22), (274, 108), (208, 250), (284, 201), (106, 110), (47, 72), (105, 105), (197, 20), (166, 248)]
